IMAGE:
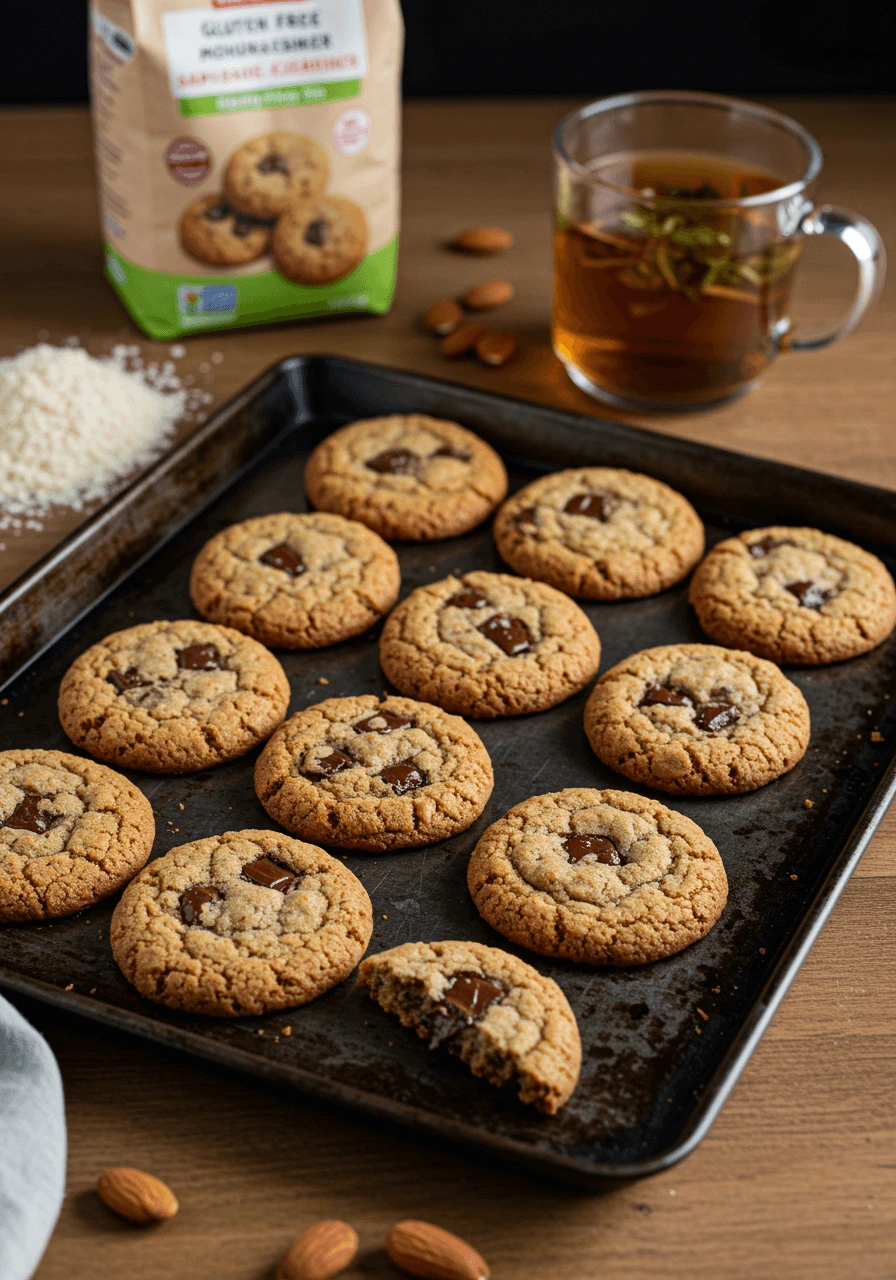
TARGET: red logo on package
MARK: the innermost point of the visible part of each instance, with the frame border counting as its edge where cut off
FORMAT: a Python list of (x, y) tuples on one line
[(189, 161)]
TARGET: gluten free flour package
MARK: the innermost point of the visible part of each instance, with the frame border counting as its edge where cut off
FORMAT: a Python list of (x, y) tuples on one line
[(247, 155)]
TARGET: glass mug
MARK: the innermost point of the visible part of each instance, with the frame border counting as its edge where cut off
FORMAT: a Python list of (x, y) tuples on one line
[(681, 218)]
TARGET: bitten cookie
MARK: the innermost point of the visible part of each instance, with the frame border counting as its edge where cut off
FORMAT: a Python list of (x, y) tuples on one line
[(212, 231), (268, 173), (71, 832), (600, 533), (794, 595), (407, 476), (489, 644), (605, 877), (497, 1014), (694, 719), (365, 774), (241, 923), (321, 240), (296, 581), (172, 697)]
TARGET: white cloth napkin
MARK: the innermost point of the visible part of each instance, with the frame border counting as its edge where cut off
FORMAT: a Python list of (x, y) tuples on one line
[(32, 1144)]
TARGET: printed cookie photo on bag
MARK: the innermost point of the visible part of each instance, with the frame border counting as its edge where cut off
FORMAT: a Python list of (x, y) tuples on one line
[(247, 158)]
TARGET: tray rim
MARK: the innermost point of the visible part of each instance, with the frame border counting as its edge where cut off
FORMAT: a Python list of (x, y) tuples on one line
[(581, 1172)]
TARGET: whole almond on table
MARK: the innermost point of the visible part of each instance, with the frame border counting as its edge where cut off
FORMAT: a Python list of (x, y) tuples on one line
[(462, 340), (488, 295), (320, 1253), (496, 347), (137, 1196), (484, 240), (443, 317), (433, 1254)]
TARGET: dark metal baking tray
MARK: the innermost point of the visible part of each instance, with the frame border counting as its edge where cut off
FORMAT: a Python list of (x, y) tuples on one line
[(656, 1069)]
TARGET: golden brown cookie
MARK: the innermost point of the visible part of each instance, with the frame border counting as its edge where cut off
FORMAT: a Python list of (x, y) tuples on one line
[(321, 240), (296, 581), (794, 595), (269, 173), (212, 231), (600, 533), (489, 644), (496, 1013), (604, 877), (71, 832), (696, 719), (241, 923), (172, 697), (407, 476), (364, 774)]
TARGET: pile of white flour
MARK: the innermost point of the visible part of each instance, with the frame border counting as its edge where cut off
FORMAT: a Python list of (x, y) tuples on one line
[(72, 426)]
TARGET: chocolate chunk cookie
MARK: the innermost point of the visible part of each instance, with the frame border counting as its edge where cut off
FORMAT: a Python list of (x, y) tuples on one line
[(694, 719), (489, 644), (321, 240), (365, 774), (212, 231), (407, 476), (497, 1014), (241, 923), (600, 533), (296, 581), (605, 877), (794, 595), (172, 697), (269, 173), (71, 832)]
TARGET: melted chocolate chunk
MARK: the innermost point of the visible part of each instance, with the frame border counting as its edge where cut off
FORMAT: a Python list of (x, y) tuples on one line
[(130, 679), (579, 847), (599, 506), (269, 874), (472, 994), (193, 900), (218, 212), (769, 543), (335, 762), (273, 163), (199, 657), (404, 777), (712, 717), (526, 516), (810, 594), (660, 695), (394, 462), (469, 598), (383, 722), (510, 634), (27, 816), (284, 557), (317, 232)]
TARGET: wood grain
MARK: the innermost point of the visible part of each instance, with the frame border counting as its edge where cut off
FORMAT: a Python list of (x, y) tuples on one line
[(796, 1178)]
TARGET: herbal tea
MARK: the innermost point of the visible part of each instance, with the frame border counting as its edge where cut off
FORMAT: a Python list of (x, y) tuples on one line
[(666, 295)]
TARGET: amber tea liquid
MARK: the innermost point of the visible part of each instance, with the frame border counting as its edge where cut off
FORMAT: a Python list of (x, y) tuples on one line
[(665, 296)]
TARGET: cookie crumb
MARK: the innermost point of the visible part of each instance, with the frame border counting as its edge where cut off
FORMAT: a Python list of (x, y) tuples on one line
[(717, 991), (70, 987), (322, 680), (876, 736), (286, 1031), (21, 713), (261, 1031), (793, 877), (92, 991), (704, 1016), (385, 917), (762, 951), (4, 702), (180, 806), (808, 804)]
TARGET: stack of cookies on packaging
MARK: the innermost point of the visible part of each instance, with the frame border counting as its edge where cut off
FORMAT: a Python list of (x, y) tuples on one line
[(245, 922)]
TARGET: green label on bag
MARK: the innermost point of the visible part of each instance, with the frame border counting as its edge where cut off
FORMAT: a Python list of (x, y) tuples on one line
[(293, 95), (169, 306)]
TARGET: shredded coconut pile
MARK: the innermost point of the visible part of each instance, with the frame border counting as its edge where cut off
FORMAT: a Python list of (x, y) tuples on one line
[(73, 426)]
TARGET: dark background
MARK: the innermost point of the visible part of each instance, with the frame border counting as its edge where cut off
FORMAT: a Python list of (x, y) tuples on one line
[(519, 47)]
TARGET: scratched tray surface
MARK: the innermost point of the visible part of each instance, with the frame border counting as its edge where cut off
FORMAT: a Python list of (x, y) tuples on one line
[(658, 1042)]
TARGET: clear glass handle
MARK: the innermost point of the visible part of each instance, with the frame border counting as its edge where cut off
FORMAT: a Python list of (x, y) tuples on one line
[(862, 239)]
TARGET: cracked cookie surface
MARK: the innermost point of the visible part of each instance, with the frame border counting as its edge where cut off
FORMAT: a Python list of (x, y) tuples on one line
[(489, 644), (696, 719), (407, 476), (296, 581), (241, 923), (362, 773), (600, 533), (172, 697), (603, 877), (71, 832), (496, 1013), (794, 595), (267, 174)]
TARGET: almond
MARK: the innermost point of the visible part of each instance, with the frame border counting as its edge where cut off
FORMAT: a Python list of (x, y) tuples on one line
[(462, 340), (484, 240), (320, 1253), (137, 1196), (443, 317), (496, 347), (434, 1254), (487, 295)]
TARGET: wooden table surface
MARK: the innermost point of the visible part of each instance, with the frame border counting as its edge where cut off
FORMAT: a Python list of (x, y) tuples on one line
[(796, 1178)]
